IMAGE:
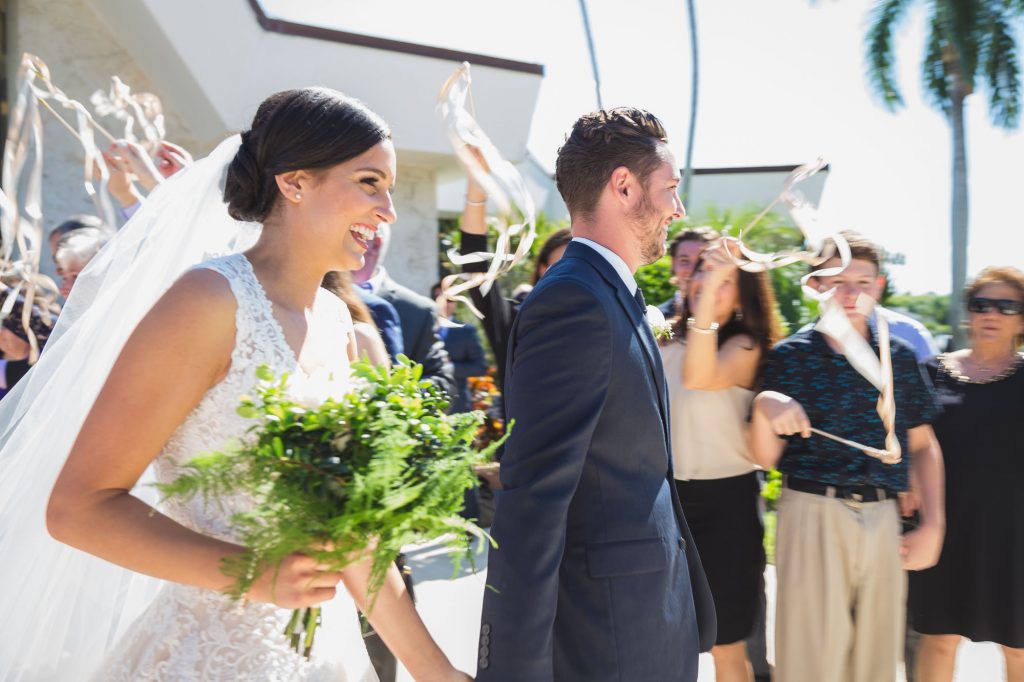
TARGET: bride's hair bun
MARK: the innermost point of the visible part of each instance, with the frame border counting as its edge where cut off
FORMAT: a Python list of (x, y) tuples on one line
[(310, 129), (246, 189)]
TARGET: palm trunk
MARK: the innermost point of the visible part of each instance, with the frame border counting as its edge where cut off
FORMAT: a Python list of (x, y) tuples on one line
[(694, 72), (593, 54), (958, 218)]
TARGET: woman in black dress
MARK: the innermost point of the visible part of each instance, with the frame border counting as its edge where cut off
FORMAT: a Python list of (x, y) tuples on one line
[(977, 588)]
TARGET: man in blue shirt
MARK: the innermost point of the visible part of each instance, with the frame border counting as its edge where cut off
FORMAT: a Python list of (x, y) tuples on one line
[(839, 554)]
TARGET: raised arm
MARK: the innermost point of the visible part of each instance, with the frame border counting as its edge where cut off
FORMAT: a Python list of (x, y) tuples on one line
[(706, 365)]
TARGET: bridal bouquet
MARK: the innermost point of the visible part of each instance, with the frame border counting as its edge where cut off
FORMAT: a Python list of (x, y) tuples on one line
[(342, 470)]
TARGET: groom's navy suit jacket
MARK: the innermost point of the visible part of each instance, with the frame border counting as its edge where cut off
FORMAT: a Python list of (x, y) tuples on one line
[(595, 576)]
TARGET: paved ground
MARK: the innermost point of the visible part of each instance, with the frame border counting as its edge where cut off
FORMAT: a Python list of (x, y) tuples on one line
[(451, 610)]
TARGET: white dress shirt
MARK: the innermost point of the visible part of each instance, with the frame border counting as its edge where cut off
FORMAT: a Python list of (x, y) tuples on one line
[(614, 260)]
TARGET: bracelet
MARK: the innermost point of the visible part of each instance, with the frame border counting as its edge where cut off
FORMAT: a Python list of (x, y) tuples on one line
[(691, 325), (470, 202)]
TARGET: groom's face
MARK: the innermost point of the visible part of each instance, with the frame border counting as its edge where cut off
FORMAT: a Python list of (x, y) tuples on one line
[(657, 208)]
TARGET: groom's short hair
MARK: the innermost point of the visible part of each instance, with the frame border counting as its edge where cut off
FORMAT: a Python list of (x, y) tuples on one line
[(599, 143)]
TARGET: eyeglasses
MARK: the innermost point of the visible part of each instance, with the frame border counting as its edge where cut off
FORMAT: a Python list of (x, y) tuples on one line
[(1006, 306)]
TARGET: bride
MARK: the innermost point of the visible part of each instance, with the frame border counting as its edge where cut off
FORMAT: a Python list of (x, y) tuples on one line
[(142, 377)]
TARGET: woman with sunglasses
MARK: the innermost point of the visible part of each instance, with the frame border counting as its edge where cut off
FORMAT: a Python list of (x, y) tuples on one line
[(977, 588)]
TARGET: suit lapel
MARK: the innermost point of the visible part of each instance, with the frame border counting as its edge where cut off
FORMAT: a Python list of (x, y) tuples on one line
[(636, 317)]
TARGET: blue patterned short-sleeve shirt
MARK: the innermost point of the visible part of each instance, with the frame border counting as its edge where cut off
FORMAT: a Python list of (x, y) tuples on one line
[(840, 401)]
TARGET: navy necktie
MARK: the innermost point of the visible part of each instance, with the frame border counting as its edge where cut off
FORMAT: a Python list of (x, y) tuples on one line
[(639, 297)]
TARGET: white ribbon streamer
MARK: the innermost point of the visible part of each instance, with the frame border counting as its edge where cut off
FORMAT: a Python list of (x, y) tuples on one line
[(504, 185)]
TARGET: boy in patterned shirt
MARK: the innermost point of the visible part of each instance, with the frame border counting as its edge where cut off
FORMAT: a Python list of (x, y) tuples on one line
[(839, 554)]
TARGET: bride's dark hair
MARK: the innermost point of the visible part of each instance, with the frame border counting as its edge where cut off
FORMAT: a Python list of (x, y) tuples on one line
[(309, 129)]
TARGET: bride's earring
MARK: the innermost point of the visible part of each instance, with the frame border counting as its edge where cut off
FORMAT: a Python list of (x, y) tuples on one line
[(738, 315), (298, 197)]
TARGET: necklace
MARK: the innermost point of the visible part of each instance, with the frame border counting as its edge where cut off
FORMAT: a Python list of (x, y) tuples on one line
[(956, 369)]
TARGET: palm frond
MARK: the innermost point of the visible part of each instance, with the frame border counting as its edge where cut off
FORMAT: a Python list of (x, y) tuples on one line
[(880, 50), (933, 68), (1002, 70), (962, 24)]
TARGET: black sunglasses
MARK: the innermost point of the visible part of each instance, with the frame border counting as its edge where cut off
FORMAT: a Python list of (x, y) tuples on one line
[(1006, 306)]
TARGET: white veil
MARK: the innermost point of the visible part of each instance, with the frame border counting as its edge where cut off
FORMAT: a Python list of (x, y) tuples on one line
[(61, 610)]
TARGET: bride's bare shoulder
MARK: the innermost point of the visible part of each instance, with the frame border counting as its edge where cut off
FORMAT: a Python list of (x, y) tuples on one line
[(197, 312)]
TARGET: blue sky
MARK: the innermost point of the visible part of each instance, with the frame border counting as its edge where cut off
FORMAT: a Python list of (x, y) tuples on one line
[(782, 82)]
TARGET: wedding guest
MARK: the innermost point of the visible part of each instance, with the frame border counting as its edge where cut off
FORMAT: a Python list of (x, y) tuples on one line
[(498, 311), (70, 225), (14, 342), (464, 349), (74, 251), (901, 326), (385, 318), (977, 588), (712, 365), (417, 314), (839, 556), (685, 251)]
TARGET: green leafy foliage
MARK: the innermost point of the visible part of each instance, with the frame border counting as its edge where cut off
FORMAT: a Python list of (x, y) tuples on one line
[(358, 476), (931, 309)]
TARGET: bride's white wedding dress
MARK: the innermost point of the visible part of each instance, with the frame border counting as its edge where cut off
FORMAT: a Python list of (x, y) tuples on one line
[(191, 634)]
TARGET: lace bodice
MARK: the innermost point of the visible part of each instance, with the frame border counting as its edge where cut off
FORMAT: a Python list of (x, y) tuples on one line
[(189, 633)]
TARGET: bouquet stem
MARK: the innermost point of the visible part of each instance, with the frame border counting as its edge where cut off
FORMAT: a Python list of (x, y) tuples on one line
[(301, 629)]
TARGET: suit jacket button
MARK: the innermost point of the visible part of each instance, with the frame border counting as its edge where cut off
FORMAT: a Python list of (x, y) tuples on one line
[(484, 652), (485, 629), (483, 663), (682, 543), (484, 640)]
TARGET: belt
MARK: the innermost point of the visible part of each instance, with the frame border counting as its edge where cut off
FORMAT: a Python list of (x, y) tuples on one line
[(857, 493)]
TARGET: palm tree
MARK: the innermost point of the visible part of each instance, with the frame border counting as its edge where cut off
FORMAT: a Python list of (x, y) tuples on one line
[(694, 64), (968, 41), (593, 54)]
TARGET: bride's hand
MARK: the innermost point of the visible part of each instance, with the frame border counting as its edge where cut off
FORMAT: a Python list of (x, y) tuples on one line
[(298, 582)]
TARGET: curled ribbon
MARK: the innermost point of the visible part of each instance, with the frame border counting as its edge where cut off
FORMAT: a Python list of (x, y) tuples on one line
[(21, 222), (142, 109), (505, 187), (37, 88), (833, 321)]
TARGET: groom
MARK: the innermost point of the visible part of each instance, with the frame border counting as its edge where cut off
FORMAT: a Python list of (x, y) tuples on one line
[(595, 576)]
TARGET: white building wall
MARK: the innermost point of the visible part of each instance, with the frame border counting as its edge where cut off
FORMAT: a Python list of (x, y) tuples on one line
[(412, 257)]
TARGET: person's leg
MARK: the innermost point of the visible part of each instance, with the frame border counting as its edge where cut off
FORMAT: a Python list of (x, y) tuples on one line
[(911, 642), (757, 643), (813, 564), (1014, 664), (880, 607), (936, 658), (731, 663)]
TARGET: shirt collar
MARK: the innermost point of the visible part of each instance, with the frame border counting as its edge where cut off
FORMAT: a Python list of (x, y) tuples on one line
[(614, 260), (818, 340), (377, 279)]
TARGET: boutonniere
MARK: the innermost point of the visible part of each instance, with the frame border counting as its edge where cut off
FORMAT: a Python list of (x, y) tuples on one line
[(660, 327)]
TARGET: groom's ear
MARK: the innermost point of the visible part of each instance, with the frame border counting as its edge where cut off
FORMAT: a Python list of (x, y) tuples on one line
[(623, 186)]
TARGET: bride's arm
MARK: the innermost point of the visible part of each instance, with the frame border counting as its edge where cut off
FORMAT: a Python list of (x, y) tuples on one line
[(395, 619), (180, 349)]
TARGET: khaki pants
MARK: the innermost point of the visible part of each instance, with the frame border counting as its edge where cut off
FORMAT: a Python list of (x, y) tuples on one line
[(841, 590)]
